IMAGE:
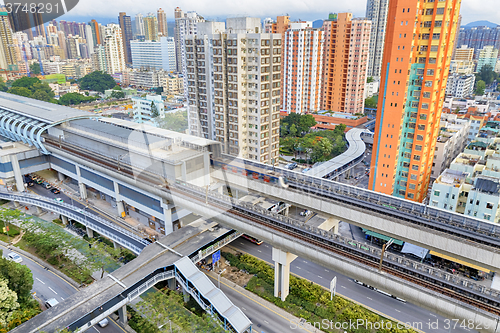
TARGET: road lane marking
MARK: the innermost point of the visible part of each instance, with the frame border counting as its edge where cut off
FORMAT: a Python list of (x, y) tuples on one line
[(320, 277), (343, 287), (60, 277), (53, 290), (96, 329), (266, 322), (243, 309), (397, 310), (259, 251), (369, 298), (326, 270), (62, 298), (325, 288), (298, 267), (40, 280), (117, 324), (432, 314)]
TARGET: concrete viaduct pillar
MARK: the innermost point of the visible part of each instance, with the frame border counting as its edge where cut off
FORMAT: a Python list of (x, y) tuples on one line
[(167, 218), (18, 177), (90, 232), (60, 176), (330, 224), (171, 284), (81, 185), (17, 204), (282, 262), (64, 219), (185, 294), (122, 313), (39, 210)]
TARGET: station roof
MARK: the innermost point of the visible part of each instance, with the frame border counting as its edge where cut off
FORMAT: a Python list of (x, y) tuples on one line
[(48, 113)]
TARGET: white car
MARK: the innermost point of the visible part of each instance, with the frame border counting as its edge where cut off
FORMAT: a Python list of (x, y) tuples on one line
[(15, 257), (306, 212), (59, 200), (104, 322)]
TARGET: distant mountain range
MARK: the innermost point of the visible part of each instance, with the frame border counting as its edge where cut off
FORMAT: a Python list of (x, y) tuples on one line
[(480, 24)]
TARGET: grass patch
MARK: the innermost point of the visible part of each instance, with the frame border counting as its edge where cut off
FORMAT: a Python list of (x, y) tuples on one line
[(307, 300), (139, 323), (13, 232)]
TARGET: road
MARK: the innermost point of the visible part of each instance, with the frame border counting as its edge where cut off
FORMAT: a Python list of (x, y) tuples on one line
[(48, 284), (389, 307), (264, 319)]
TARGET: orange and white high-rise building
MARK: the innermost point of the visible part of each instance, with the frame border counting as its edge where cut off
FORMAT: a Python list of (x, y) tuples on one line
[(345, 62), (418, 48), (302, 68)]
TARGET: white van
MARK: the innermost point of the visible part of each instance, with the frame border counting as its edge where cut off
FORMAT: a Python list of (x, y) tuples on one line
[(14, 257)]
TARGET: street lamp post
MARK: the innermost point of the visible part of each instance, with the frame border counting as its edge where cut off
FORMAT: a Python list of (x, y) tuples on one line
[(384, 247), (220, 273)]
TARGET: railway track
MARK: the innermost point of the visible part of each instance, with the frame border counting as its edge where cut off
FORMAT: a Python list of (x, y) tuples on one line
[(462, 295)]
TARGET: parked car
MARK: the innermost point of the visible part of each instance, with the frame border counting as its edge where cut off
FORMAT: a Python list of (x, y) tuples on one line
[(55, 191), (15, 257), (292, 166), (46, 185), (306, 212), (59, 200), (39, 181)]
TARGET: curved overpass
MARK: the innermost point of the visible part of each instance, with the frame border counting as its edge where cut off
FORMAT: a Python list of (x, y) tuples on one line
[(345, 161), (121, 236)]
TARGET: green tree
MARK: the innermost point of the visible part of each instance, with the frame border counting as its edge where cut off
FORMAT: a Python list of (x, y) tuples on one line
[(480, 86), (35, 68), (322, 149), (74, 98), (100, 256), (154, 110), (117, 94), (293, 130), (3, 86), (32, 87), (369, 79), (176, 121), (21, 91), (97, 81), (8, 303), (19, 278), (371, 102), (487, 75), (302, 124), (7, 216), (26, 82), (117, 87)]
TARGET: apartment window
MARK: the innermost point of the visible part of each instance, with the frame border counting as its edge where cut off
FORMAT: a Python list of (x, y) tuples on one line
[(410, 195), (436, 193), (420, 137), (412, 186), (487, 217), (413, 177), (489, 205), (440, 11), (414, 167), (418, 147)]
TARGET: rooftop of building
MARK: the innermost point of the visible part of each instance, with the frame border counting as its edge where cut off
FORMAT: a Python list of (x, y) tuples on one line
[(342, 115), (452, 177), (44, 112), (467, 159), (477, 145), (486, 184)]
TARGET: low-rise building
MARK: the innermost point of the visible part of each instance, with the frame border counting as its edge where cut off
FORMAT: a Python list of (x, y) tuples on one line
[(145, 108), (62, 89), (453, 136), (371, 88), (460, 86), (148, 78), (173, 85)]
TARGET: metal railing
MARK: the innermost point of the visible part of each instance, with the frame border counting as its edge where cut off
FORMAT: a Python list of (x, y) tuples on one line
[(408, 263), (120, 236)]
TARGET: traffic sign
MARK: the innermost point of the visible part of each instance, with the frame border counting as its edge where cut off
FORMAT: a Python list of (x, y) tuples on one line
[(215, 257)]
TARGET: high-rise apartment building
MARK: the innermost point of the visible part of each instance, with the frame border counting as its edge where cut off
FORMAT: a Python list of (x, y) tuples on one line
[(96, 32), (302, 68), (464, 53), (139, 25), (154, 55), (345, 61), (72, 44), (113, 43), (418, 49), (126, 27), (488, 56), (235, 97), (185, 25), (479, 37), (161, 17), (150, 27), (376, 11), (8, 59)]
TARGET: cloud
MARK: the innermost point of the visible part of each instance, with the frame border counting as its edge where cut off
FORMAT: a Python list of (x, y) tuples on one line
[(472, 10)]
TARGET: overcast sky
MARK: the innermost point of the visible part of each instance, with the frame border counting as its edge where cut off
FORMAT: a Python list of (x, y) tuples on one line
[(107, 10)]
